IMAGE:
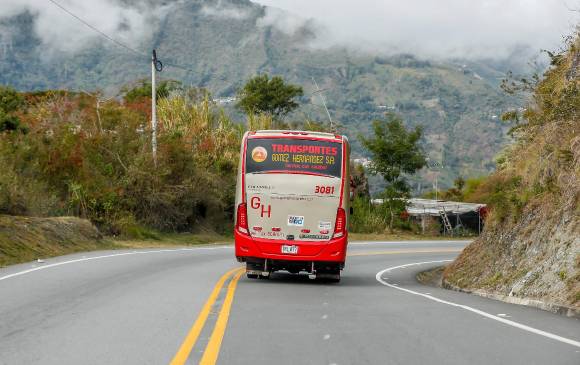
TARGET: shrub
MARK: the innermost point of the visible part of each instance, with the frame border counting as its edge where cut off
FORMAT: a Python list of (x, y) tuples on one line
[(75, 161), (366, 217)]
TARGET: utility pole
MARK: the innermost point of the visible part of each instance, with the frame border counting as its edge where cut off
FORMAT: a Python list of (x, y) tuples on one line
[(156, 65), (433, 167), (323, 103)]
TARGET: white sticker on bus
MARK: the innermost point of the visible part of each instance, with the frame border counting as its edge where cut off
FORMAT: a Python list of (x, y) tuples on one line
[(296, 220), (324, 225)]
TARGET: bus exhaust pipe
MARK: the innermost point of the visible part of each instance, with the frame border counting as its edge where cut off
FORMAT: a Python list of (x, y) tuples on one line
[(312, 275)]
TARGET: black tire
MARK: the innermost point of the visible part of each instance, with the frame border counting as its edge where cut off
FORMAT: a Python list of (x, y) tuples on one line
[(252, 276), (335, 279), (264, 277)]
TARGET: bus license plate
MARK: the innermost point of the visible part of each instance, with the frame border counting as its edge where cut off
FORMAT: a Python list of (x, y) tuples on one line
[(291, 249)]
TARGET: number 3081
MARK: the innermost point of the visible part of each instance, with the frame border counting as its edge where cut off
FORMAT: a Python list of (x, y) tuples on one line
[(324, 190)]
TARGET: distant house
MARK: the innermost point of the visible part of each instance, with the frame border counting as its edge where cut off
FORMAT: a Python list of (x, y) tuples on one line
[(451, 215)]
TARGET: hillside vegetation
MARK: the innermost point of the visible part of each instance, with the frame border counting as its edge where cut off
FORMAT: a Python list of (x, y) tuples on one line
[(25, 238), (530, 247), (223, 43), (64, 153)]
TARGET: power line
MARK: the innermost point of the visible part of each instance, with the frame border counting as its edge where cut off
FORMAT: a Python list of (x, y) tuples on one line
[(178, 66), (118, 43), (103, 34)]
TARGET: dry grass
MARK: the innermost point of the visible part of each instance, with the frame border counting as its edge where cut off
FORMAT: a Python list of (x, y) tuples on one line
[(25, 239), (176, 240)]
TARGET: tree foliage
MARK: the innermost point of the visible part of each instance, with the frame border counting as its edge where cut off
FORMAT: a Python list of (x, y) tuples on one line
[(394, 151), (67, 165), (142, 89), (271, 96), (359, 183), (10, 102)]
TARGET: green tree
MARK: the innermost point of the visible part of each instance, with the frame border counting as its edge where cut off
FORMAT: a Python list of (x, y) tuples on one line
[(9, 123), (10, 101), (268, 96), (395, 151), (143, 90), (456, 192), (359, 183)]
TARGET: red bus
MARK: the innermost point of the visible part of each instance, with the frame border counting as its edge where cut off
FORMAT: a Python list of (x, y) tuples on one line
[(292, 199)]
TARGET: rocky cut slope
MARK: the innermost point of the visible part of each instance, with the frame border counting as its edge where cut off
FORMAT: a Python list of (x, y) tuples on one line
[(530, 248)]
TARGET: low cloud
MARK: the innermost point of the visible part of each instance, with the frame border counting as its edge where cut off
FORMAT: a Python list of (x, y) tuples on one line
[(60, 32), (285, 21), (226, 10), (434, 29), (426, 28)]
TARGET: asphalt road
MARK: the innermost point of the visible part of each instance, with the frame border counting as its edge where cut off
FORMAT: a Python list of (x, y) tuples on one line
[(178, 307)]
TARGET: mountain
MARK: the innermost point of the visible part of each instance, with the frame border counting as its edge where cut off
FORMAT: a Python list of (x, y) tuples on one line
[(219, 44)]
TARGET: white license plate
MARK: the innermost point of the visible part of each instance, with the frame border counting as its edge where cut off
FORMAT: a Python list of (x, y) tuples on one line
[(290, 249)]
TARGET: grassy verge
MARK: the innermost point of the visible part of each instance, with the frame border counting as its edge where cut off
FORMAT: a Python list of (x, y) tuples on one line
[(174, 240), (25, 239)]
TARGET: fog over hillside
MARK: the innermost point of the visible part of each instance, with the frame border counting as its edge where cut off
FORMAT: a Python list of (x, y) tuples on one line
[(440, 29), (491, 29)]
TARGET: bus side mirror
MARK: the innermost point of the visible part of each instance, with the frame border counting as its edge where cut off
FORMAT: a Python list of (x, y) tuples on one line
[(351, 210)]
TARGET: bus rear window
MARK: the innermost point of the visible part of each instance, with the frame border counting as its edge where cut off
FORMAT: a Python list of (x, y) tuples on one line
[(294, 156)]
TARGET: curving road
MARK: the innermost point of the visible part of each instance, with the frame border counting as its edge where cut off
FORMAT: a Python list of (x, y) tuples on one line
[(185, 306)]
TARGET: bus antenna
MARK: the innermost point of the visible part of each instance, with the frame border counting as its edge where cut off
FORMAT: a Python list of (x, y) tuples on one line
[(323, 102)]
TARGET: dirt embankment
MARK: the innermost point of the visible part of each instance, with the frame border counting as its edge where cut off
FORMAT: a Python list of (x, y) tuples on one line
[(529, 251), (26, 238), (537, 256)]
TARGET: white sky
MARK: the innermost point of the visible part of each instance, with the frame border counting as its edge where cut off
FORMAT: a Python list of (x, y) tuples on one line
[(440, 28)]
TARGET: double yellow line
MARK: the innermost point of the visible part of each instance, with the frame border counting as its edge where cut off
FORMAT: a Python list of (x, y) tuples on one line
[(211, 352)]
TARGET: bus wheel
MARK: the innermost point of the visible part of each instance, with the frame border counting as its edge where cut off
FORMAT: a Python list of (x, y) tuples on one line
[(252, 276)]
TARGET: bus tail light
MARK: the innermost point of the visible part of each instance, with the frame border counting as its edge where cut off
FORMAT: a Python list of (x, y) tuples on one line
[(340, 225), (242, 218)]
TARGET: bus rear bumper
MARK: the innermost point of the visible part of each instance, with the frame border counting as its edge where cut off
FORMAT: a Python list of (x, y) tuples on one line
[(249, 248)]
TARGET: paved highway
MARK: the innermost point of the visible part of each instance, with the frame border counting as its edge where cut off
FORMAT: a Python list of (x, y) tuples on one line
[(186, 306)]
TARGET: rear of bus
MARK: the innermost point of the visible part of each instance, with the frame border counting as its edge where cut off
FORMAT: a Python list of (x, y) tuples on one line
[(292, 202)]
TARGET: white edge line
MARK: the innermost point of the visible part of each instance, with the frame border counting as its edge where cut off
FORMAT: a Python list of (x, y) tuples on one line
[(474, 310), (104, 257)]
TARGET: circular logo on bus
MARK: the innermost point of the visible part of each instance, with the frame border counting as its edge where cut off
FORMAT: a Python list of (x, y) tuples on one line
[(259, 154)]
